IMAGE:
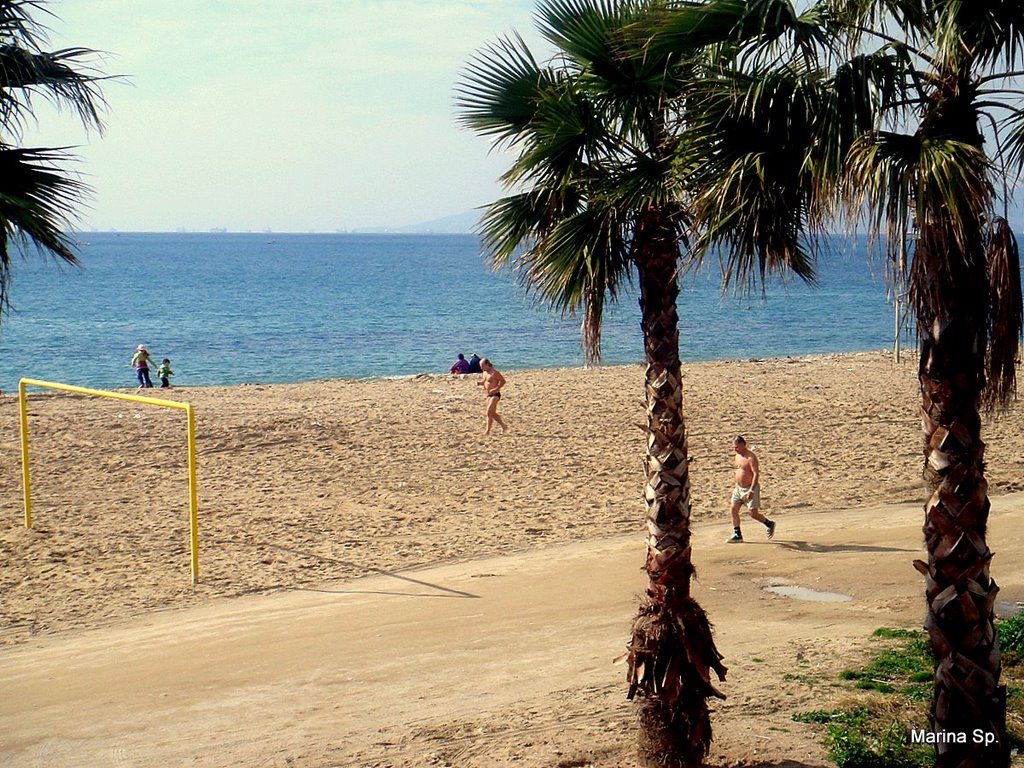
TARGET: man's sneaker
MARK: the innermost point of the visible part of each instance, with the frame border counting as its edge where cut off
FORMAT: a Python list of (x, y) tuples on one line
[(771, 528), (734, 539)]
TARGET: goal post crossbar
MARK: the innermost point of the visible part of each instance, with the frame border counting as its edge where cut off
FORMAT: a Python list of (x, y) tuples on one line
[(193, 501)]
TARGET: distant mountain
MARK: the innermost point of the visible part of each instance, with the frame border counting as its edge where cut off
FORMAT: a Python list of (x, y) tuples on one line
[(456, 224)]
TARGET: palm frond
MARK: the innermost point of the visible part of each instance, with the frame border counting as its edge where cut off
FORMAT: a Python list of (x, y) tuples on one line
[(758, 226), (35, 194), (63, 77), (517, 222), (880, 186), (585, 31), (861, 18), (597, 43), (755, 227), (989, 32), (1013, 144), (582, 261), (67, 78), (758, 137), (953, 190), (1006, 316), (570, 256), (872, 83), (18, 23), (757, 26), (565, 136), (646, 180), (535, 110), (498, 92)]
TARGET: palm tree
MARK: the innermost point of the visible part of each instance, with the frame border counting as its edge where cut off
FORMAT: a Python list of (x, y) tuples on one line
[(918, 136), (36, 193), (599, 196)]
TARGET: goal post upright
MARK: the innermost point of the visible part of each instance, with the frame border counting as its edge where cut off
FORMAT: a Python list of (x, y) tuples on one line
[(193, 494), (26, 480)]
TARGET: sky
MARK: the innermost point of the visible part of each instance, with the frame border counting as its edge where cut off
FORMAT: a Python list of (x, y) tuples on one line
[(283, 115)]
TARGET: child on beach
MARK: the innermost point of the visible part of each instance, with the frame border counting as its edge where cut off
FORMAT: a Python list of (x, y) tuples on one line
[(140, 362), (164, 373)]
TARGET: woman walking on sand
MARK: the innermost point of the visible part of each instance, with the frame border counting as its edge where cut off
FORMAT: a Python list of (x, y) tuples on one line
[(140, 362), (492, 381)]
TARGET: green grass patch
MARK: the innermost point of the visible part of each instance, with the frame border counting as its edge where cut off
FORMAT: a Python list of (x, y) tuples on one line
[(904, 666), (1011, 645), (856, 716), (810, 680), (875, 733), (893, 690), (896, 634), (876, 747), (1011, 633)]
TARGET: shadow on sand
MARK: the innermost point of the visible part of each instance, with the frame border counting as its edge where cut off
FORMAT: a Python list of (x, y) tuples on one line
[(826, 549), (437, 588)]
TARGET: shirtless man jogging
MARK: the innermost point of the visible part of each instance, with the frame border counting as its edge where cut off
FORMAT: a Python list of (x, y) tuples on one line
[(492, 381), (747, 490)]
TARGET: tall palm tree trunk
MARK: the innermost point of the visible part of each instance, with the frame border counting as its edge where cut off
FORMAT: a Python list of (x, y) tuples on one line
[(968, 704), (671, 652), (952, 296)]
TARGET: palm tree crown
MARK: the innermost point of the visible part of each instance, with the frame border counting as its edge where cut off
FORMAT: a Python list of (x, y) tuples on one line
[(595, 140)]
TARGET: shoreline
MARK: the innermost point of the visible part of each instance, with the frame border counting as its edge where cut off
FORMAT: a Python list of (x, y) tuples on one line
[(442, 375)]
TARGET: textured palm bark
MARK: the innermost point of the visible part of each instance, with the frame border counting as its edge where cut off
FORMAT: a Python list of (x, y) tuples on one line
[(967, 703), (952, 297), (671, 652)]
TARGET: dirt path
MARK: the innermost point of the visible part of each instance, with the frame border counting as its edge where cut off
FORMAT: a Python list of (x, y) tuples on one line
[(503, 661)]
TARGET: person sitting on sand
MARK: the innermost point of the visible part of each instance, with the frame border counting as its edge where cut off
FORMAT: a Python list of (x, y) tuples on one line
[(474, 363), (747, 490), (492, 381), (461, 367), (140, 362)]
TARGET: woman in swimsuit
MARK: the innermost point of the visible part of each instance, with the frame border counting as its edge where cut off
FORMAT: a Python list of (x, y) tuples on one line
[(492, 381)]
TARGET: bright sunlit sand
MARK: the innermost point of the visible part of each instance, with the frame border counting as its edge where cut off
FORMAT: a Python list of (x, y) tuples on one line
[(381, 585)]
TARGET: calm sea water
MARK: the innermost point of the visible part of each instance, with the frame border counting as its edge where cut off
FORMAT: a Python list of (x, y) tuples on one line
[(245, 308)]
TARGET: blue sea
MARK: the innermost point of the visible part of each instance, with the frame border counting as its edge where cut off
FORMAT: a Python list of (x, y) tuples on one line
[(248, 308)]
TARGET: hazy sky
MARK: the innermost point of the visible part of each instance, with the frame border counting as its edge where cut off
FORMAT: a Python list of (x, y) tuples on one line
[(292, 115)]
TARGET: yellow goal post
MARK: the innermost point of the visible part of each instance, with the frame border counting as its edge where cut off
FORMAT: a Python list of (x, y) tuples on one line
[(193, 498)]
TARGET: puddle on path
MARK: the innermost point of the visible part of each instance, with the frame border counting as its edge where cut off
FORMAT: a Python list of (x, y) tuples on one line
[(803, 593)]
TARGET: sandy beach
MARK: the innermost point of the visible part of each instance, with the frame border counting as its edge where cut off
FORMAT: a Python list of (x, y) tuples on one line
[(381, 585)]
